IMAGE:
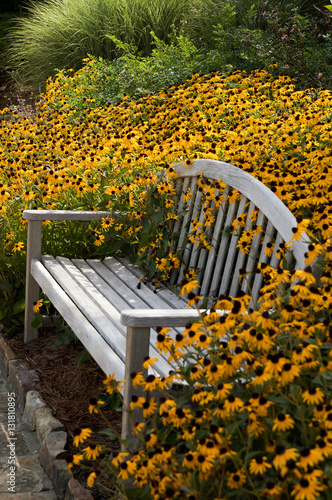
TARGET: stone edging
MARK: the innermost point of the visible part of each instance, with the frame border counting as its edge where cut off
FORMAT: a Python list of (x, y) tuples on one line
[(38, 417)]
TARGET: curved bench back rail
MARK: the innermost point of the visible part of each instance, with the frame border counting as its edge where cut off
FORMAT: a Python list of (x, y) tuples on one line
[(206, 191)]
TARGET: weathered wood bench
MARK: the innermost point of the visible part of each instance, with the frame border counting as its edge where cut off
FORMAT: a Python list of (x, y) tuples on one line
[(114, 316)]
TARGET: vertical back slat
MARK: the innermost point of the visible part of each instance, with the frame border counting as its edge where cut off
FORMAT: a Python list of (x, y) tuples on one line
[(231, 253), (258, 279), (181, 189), (186, 226), (195, 251), (223, 248), (216, 237), (241, 258), (274, 259), (252, 257)]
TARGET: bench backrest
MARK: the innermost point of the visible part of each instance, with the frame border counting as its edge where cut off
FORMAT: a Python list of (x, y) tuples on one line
[(213, 197)]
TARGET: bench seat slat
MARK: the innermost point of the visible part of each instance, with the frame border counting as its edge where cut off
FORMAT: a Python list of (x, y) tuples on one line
[(113, 336), (168, 296), (92, 340), (98, 314), (150, 298), (100, 295)]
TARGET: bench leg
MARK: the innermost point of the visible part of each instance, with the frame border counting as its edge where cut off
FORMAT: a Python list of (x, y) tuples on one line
[(137, 348), (32, 291)]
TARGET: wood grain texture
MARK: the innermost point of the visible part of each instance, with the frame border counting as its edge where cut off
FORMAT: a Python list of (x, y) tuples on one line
[(65, 215)]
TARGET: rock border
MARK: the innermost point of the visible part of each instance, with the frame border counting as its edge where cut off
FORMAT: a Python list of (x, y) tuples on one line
[(38, 417)]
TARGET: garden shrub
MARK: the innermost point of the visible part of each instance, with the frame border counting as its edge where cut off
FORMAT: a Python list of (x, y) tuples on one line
[(286, 43), (104, 82)]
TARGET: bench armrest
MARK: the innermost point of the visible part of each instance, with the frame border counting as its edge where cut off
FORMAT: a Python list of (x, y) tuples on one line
[(42, 215), (158, 317)]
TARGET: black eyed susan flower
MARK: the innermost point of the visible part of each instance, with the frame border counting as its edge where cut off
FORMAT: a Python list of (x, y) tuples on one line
[(190, 460), (309, 457), (283, 455), (307, 490), (189, 286), (283, 422), (149, 407), (92, 451), (37, 305), (233, 404), (236, 479), (261, 376), (137, 379), (137, 402), (112, 384), (74, 460), (272, 490), (127, 468), (91, 479), (80, 435), (259, 465), (288, 373), (223, 390), (94, 405), (313, 396), (151, 440)]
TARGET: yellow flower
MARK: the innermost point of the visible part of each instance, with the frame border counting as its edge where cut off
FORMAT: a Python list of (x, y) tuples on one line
[(81, 435), (283, 455), (112, 384), (236, 479), (127, 468), (18, 246), (92, 451), (37, 305), (313, 396), (307, 490), (94, 404), (74, 460), (283, 422), (259, 465), (188, 286), (91, 479)]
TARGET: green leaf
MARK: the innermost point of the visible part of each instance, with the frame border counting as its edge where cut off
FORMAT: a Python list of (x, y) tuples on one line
[(37, 322), (152, 269), (83, 358), (158, 216), (19, 306), (145, 240), (108, 432)]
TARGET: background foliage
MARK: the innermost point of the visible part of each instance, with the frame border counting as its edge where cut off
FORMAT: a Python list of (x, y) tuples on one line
[(59, 34)]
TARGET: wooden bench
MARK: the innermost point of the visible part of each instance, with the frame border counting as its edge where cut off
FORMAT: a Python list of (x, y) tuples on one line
[(114, 313)]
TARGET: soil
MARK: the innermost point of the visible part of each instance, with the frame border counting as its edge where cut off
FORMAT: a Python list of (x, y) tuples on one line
[(66, 387)]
